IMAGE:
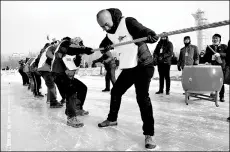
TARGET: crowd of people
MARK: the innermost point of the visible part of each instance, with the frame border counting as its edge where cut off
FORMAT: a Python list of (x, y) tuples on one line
[(59, 61)]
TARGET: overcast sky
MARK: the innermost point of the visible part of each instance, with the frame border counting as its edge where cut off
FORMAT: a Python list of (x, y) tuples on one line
[(25, 24)]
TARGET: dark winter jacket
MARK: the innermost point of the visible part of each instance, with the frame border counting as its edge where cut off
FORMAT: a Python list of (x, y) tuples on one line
[(167, 52), (136, 30), (67, 48), (222, 49), (193, 56)]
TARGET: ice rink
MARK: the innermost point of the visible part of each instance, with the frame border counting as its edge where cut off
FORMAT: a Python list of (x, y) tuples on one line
[(28, 124)]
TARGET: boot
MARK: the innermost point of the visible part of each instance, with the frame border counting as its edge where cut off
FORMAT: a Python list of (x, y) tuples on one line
[(82, 112), (149, 142), (106, 90), (39, 95), (55, 104), (107, 123), (62, 101), (159, 92), (74, 122), (222, 99)]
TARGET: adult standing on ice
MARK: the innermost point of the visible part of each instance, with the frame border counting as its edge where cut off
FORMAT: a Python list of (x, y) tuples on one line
[(136, 63), (75, 90)]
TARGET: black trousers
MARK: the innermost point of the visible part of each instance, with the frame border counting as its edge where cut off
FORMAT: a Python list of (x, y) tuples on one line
[(73, 90), (141, 78), (164, 75), (110, 76), (31, 81), (221, 93), (51, 89), (25, 79), (37, 82)]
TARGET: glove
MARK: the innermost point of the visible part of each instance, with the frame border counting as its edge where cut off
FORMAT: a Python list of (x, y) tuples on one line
[(217, 54), (152, 38), (217, 58), (88, 50), (107, 48), (178, 67)]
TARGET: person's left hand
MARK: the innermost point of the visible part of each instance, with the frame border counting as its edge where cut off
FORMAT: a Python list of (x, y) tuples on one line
[(152, 38), (107, 48), (217, 54)]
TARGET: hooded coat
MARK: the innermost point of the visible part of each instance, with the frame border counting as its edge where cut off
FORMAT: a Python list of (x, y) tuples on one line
[(136, 30), (67, 48), (166, 55)]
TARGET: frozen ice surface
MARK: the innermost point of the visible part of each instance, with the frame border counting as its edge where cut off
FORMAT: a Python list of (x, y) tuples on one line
[(27, 123)]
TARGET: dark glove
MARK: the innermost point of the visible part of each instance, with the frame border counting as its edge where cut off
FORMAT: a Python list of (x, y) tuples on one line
[(88, 50), (178, 67), (152, 38), (107, 48)]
